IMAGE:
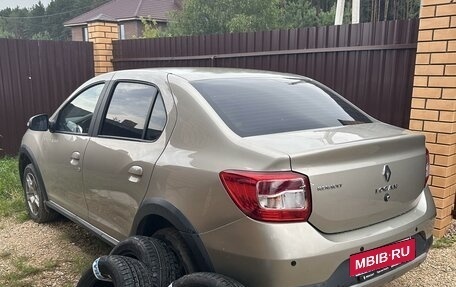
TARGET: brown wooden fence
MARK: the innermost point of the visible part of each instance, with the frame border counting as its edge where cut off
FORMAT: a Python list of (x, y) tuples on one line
[(35, 77), (371, 64)]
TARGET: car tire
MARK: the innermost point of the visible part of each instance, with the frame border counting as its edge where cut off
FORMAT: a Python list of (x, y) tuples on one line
[(117, 271), (88, 279), (205, 279), (174, 239), (160, 260), (34, 197)]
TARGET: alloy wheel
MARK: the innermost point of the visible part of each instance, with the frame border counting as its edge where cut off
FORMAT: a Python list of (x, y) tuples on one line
[(31, 189)]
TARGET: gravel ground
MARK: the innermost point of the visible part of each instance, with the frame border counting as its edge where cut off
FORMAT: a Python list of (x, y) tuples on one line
[(54, 254), (439, 269)]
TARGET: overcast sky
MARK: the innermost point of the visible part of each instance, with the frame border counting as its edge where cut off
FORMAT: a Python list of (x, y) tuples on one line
[(21, 3)]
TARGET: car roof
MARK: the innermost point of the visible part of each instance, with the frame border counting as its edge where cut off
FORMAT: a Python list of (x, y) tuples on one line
[(199, 73)]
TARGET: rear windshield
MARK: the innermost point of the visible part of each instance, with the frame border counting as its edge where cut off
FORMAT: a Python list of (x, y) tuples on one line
[(273, 105)]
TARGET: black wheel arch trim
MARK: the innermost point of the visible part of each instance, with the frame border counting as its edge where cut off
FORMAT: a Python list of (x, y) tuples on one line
[(166, 210), (23, 150)]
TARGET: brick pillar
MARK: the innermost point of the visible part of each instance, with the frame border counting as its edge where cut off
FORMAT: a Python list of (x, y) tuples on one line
[(102, 33), (434, 102)]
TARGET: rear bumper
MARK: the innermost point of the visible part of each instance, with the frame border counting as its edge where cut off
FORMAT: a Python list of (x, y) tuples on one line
[(296, 254), (340, 276), (387, 277)]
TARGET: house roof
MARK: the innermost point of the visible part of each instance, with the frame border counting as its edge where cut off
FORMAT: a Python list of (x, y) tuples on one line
[(119, 10)]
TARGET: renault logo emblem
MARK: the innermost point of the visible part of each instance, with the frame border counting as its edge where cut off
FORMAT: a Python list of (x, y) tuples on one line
[(386, 173)]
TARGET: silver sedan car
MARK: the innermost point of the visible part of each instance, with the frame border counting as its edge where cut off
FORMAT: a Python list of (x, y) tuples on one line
[(272, 179)]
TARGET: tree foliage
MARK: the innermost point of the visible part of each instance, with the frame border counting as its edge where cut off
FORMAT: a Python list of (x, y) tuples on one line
[(305, 13), (381, 10), (221, 16), (150, 28), (40, 22), (204, 16)]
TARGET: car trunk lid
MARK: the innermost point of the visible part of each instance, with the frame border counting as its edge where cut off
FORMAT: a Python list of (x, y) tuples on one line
[(359, 175)]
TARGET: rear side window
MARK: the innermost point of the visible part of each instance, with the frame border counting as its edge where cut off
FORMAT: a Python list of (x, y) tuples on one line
[(128, 111), (273, 105), (157, 120)]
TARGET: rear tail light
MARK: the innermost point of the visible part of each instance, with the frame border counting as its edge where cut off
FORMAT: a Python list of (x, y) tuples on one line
[(427, 168), (269, 196)]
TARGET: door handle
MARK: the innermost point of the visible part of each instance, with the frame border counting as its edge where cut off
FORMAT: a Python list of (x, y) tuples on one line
[(135, 173), (75, 157), (136, 170)]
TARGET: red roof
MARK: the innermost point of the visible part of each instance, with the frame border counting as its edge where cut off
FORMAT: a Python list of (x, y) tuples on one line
[(119, 10)]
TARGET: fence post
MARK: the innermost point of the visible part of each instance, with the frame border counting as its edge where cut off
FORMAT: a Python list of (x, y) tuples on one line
[(102, 33), (434, 102)]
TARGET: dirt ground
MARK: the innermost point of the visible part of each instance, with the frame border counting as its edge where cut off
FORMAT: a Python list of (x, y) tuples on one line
[(54, 255), (439, 270)]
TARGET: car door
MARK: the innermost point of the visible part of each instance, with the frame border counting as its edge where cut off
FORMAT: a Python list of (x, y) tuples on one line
[(64, 147), (120, 159)]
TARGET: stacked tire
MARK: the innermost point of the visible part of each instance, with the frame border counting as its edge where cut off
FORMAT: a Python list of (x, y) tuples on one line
[(205, 279), (141, 261), (108, 271), (138, 261), (157, 256)]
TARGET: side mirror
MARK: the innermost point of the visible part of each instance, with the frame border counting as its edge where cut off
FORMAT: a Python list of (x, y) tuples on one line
[(39, 123), (51, 126)]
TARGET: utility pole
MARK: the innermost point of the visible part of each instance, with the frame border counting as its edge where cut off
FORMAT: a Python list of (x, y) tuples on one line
[(355, 11), (339, 12)]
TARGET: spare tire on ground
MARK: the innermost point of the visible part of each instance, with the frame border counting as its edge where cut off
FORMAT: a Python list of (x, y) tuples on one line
[(116, 271), (205, 279), (159, 258)]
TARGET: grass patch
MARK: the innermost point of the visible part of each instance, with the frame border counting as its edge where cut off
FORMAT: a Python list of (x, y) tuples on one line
[(11, 194), (24, 270), (80, 262), (445, 242)]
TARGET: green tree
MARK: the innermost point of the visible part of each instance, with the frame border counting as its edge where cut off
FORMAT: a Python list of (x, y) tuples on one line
[(36, 23), (59, 11), (221, 16), (380, 10), (43, 22), (16, 25), (151, 29), (307, 13), (205, 16), (5, 34), (42, 36)]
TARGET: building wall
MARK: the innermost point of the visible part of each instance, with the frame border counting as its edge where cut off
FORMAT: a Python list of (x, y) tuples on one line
[(133, 29), (77, 33)]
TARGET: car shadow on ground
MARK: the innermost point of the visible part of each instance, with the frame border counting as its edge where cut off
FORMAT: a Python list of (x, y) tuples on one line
[(87, 242)]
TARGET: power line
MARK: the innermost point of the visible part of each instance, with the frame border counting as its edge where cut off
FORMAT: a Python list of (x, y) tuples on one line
[(46, 16)]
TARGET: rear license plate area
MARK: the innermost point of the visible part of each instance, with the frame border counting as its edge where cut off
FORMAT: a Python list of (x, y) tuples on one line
[(371, 263)]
